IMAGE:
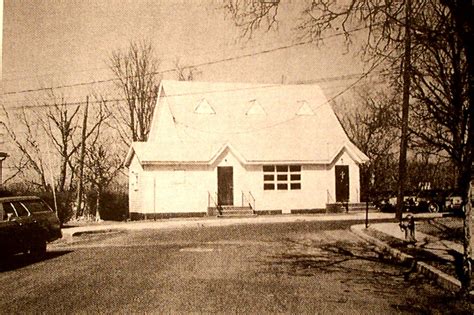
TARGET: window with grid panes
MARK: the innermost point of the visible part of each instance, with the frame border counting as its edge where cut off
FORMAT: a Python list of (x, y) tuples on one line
[(282, 177)]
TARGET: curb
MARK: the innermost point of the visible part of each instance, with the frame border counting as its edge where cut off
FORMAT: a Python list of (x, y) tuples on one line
[(92, 232), (383, 247), (442, 279), (71, 232)]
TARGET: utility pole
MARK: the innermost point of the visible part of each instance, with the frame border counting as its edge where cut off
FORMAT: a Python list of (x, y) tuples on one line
[(402, 162), (80, 187), (3, 156)]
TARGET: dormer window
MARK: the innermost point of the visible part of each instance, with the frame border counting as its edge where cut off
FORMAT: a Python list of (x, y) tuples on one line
[(255, 108), (203, 107), (304, 109)]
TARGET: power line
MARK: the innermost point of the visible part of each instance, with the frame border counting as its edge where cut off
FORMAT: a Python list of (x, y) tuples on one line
[(314, 81), (161, 59), (208, 63), (321, 80), (364, 75)]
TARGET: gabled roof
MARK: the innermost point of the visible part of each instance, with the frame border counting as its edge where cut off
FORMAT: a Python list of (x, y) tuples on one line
[(281, 135)]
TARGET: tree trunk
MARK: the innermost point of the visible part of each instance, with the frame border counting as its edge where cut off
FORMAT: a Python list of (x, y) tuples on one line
[(97, 207), (62, 174), (468, 160), (467, 254)]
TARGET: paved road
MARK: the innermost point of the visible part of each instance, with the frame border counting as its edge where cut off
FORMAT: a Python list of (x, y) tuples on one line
[(305, 267)]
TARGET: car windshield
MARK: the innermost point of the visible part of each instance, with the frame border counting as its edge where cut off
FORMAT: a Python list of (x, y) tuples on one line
[(36, 206)]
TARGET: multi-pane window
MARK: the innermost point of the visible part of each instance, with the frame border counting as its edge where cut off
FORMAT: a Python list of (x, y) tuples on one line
[(281, 177)]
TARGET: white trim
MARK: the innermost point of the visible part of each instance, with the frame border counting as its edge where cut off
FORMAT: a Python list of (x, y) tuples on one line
[(244, 161)]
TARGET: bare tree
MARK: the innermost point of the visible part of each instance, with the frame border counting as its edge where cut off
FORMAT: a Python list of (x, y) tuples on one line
[(252, 15), (90, 131), (372, 128), (386, 21), (62, 125), (102, 167), (443, 88), (440, 87), (185, 73), (25, 135), (137, 76)]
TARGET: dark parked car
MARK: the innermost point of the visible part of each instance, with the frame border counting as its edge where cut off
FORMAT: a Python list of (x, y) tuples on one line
[(387, 203), (425, 201), (415, 202), (27, 224), (453, 201)]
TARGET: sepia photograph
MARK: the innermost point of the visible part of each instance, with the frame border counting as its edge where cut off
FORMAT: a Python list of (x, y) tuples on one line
[(236, 156)]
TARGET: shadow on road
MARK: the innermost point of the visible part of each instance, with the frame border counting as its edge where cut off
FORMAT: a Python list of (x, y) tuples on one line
[(19, 261)]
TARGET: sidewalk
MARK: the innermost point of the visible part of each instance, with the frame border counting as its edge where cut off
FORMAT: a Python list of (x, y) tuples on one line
[(108, 226), (446, 252)]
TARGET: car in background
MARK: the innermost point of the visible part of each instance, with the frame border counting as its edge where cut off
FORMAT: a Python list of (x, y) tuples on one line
[(387, 204), (27, 224), (385, 200), (453, 202), (427, 200), (415, 202)]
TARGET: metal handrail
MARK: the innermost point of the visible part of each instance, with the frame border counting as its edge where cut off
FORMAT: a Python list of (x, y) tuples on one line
[(329, 197), (215, 202), (253, 198), (251, 203)]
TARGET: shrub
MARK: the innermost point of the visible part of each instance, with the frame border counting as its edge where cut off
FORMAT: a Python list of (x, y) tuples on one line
[(113, 205), (64, 201)]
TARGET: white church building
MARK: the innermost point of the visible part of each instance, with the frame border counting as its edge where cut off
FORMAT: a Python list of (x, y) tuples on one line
[(271, 148)]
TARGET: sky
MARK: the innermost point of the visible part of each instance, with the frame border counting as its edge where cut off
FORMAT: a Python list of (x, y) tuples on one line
[(58, 42), (51, 43)]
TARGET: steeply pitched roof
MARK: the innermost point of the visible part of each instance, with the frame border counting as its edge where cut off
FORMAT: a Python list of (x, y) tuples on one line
[(285, 133)]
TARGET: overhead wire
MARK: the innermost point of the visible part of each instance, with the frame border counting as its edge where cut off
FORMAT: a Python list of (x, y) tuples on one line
[(176, 122), (197, 65), (314, 81)]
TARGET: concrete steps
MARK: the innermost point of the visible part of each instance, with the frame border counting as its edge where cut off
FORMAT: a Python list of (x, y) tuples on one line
[(231, 211)]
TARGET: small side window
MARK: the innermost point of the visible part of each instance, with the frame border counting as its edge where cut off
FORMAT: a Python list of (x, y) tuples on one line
[(8, 210), (36, 206), (20, 209)]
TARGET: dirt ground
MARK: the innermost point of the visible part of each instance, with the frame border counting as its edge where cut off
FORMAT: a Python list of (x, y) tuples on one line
[(449, 228)]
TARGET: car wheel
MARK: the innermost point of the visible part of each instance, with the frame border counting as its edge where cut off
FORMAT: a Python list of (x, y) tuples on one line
[(433, 207), (38, 249)]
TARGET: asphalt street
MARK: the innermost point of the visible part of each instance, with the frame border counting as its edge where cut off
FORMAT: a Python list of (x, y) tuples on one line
[(302, 267)]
